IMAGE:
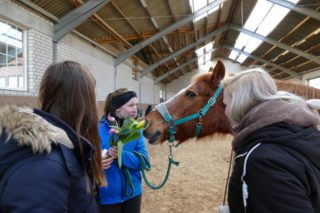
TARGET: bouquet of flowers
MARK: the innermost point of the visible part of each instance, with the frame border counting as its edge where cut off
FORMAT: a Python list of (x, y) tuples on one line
[(120, 135)]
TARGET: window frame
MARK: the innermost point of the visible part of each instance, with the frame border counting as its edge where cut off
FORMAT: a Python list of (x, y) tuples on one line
[(314, 78), (25, 60)]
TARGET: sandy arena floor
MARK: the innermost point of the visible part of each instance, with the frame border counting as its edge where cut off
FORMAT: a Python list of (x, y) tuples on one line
[(196, 185)]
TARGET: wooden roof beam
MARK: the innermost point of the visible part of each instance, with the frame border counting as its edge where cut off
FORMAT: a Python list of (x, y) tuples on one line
[(103, 24), (134, 28), (130, 37), (286, 70), (160, 78), (179, 52)]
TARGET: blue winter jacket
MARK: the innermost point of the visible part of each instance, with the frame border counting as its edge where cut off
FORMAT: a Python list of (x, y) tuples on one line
[(39, 165), (115, 192)]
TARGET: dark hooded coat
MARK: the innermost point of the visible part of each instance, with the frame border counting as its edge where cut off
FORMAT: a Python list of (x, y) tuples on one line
[(283, 173), (39, 164)]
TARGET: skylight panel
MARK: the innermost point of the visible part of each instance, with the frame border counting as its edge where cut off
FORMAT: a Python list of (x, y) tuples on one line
[(252, 45), (200, 51), (241, 58), (274, 17), (233, 55), (264, 18), (213, 9), (208, 46), (207, 57), (198, 4), (200, 61), (242, 40), (257, 15)]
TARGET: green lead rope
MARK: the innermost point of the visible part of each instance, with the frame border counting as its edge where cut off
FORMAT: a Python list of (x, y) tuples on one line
[(145, 166)]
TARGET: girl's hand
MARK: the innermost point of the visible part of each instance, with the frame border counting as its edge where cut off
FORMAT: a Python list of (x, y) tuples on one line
[(106, 161), (113, 152)]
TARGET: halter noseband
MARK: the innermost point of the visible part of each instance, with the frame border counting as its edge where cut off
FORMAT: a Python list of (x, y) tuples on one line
[(162, 109)]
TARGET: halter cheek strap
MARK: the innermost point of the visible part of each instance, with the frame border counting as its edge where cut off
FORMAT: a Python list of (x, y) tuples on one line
[(162, 109)]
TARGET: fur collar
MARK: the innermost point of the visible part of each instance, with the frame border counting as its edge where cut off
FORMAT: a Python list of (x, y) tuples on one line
[(32, 130)]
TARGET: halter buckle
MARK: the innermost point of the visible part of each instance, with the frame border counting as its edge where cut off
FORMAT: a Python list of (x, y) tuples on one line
[(212, 101)]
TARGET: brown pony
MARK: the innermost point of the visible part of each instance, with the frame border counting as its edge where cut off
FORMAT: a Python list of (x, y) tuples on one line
[(188, 101), (194, 97)]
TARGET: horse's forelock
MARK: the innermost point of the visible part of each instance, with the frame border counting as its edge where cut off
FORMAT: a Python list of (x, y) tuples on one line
[(201, 77)]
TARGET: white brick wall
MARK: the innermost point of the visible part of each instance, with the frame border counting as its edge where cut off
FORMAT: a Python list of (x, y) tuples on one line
[(124, 78), (147, 91), (99, 63), (39, 57)]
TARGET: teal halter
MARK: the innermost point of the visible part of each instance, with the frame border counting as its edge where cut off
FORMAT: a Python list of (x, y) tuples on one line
[(162, 109)]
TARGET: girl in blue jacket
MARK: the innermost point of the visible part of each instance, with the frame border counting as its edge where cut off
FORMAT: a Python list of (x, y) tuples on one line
[(123, 194)]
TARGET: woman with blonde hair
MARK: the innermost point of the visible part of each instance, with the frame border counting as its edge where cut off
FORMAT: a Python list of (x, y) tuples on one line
[(277, 147)]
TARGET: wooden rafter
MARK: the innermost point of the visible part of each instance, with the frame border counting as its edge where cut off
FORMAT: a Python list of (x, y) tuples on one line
[(140, 35), (103, 24), (228, 21), (159, 56), (294, 58), (137, 36), (177, 31)]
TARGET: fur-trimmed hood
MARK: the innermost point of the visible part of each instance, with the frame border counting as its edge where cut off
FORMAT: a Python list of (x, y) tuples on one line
[(30, 129), (40, 155)]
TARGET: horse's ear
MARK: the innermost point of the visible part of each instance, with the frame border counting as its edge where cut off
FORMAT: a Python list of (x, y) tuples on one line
[(218, 72)]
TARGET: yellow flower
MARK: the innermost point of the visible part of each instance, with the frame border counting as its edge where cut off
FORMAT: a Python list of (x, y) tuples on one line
[(140, 124)]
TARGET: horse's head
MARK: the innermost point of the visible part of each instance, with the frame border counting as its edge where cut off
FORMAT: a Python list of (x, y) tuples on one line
[(188, 101)]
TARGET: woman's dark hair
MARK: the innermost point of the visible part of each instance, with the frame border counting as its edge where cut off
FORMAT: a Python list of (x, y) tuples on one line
[(67, 90)]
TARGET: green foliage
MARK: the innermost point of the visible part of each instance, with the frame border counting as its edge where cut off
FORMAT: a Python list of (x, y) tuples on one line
[(129, 131)]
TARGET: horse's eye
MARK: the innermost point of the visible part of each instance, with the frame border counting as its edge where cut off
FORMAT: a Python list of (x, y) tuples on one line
[(190, 94)]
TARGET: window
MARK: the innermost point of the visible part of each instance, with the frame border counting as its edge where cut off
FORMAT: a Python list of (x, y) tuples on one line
[(315, 82), (204, 53), (162, 95), (12, 57)]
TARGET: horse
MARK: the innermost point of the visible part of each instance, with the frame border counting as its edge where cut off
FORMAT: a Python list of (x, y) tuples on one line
[(195, 99)]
